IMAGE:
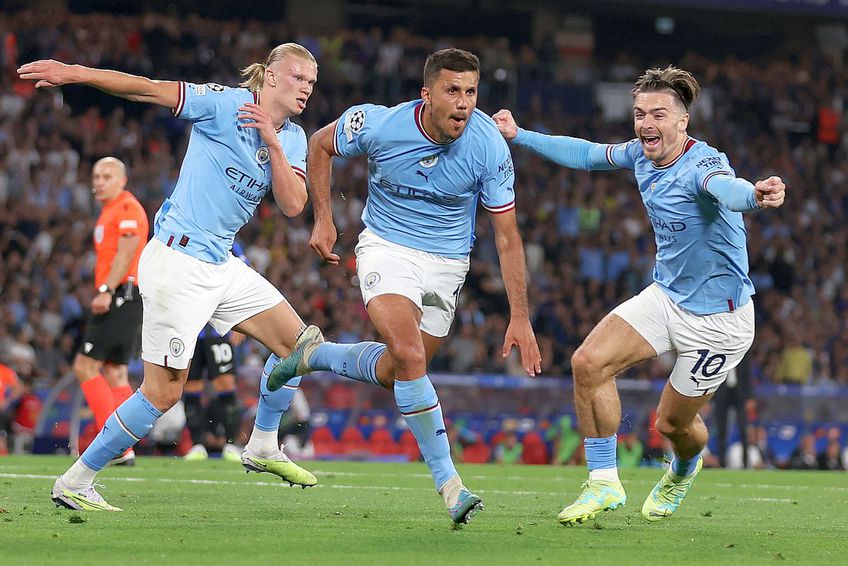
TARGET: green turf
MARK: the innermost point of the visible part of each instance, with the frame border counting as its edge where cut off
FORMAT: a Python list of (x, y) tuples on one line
[(212, 513)]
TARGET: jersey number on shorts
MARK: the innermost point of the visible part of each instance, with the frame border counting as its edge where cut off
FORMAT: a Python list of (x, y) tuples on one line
[(708, 365)]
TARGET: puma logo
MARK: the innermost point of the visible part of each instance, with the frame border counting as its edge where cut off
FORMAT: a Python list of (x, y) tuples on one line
[(426, 177)]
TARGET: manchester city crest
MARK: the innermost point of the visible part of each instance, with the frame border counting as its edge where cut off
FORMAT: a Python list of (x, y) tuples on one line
[(429, 161), (371, 279), (262, 155), (176, 346)]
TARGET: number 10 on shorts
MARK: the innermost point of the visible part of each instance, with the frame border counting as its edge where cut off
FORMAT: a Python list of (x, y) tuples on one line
[(708, 365)]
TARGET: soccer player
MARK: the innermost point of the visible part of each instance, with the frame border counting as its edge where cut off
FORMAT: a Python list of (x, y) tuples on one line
[(110, 335), (431, 160), (699, 304), (243, 146)]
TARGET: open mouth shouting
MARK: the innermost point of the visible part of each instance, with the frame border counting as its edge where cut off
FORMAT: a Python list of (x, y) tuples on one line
[(650, 141), (458, 120)]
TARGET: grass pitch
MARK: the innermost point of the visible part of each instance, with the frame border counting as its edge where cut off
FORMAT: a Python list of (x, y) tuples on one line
[(210, 512)]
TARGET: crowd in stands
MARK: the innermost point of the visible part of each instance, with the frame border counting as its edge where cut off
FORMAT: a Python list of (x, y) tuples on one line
[(589, 244)]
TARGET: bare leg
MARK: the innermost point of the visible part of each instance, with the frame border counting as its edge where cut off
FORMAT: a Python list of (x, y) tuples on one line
[(277, 328), (678, 420), (611, 347)]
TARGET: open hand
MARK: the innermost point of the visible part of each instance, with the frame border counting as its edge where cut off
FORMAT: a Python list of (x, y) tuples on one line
[(49, 73), (520, 333)]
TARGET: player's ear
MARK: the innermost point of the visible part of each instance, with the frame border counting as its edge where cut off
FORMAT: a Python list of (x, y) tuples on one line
[(270, 77), (684, 121), (425, 94)]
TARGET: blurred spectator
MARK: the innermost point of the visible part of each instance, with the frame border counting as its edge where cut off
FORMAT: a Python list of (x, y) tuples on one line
[(804, 457), (508, 450), (27, 411), (629, 451), (742, 455), (11, 390), (832, 458), (796, 363), (566, 441)]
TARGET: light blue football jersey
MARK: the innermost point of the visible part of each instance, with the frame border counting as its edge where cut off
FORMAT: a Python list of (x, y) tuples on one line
[(702, 259), (225, 173), (423, 194)]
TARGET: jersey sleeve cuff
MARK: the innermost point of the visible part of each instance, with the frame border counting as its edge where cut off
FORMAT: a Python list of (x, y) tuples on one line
[(500, 209), (299, 172), (178, 109)]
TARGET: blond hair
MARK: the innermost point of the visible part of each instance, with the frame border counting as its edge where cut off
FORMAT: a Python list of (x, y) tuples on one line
[(681, 82), (254, 75)]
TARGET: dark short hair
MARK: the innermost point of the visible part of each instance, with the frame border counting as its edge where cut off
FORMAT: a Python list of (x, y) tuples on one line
[(451, 59), (671, 78)]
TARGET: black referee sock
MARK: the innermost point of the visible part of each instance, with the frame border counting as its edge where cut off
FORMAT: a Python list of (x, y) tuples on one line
[(225, 413), (195, 417)]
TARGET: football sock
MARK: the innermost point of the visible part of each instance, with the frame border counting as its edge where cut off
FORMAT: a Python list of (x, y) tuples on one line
[(269, 411), (683, 468), (195, 417), (419, 405), (225, 414), (99, 397), (356, 361), (600, 458), (127, 425)]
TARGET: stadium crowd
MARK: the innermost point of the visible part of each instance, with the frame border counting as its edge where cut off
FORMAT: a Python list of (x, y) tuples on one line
[(588, 241)]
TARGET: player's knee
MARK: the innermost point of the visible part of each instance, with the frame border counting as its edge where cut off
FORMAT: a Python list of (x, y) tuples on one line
[(586, 367), (164, 397), (85, 368), (116, 375), (408, 355)]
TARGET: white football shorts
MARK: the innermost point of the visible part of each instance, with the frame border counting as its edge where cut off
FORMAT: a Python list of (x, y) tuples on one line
[(707, 346), (431, 281), (181, 294)]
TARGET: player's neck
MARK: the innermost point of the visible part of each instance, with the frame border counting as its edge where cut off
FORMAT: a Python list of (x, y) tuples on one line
[(278, 114), (430, 127), (678, 151)]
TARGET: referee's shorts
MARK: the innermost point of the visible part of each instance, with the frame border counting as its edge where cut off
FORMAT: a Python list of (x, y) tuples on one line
[(113, 336)]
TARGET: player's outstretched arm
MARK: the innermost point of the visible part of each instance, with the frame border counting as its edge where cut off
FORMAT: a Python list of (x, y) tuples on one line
[(513, 267), (740, 195), (320, 168), (574, 153), (138, 89)]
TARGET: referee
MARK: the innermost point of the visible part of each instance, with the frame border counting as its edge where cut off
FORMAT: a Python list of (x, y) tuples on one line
[(112, 330)]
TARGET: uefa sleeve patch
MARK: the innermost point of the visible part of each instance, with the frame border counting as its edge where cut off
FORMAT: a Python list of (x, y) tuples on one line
[(353, 124)]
